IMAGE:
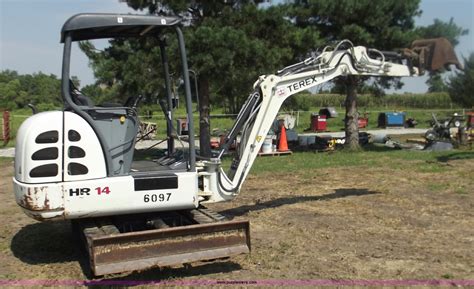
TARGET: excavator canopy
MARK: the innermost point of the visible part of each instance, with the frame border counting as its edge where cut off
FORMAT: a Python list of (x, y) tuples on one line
[(87, 26)]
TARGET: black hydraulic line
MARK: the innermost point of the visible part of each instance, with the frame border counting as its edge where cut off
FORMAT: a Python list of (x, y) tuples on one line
[(235, 163), (291, 69), (34, 110), (240, 121), (169, 121), (161, 141), (169, 111), (234, 189), (389, 55)]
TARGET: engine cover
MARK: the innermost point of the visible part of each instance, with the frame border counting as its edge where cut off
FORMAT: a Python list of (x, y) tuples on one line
[(60, 173)]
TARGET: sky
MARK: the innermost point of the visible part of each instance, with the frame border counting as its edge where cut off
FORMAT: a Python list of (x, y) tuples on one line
[(30, 31)]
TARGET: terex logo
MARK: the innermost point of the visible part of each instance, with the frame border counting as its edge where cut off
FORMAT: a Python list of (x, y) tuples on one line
[(303, 83), (79, 192)]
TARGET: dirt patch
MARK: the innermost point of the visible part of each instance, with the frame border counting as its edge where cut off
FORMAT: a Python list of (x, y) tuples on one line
[(386, 222)]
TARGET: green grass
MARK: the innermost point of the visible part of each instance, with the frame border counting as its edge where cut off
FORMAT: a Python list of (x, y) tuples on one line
[(461, 191), (447, 276), (422, 161), (4, 160), (437, 187)]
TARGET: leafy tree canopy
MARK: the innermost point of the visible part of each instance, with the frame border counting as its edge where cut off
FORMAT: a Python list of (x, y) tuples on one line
[(385, 25), (439, 28), (229, 44), (461, 86), (17, 90)]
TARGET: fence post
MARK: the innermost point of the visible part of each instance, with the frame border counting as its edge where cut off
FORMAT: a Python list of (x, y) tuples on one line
[(6, 127)]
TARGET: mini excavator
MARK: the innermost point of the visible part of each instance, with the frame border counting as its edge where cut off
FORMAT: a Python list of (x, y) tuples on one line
[(78, 163)]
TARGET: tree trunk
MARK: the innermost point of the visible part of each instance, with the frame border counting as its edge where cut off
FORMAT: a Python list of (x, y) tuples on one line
[(352, 116), (204, 120)]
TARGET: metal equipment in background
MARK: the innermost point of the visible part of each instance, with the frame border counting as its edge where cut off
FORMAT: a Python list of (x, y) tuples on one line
[(443, 134), (363, 120), (470, 127), (391, 119), (329, 112), (182, 126), (318, 122)]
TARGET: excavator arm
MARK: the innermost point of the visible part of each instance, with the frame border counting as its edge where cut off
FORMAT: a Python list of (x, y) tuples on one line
[(270, 91)]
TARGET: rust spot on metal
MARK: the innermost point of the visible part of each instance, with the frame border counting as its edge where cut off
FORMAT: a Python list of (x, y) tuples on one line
[(63, 192), (46, 202), (137, 250), (36, 199), (28, 203)]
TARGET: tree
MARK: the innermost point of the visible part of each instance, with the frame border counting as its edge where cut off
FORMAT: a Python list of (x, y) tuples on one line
[(436, 83), (461, 85), (384, 25), (17, 90), (229, 44), (11, 94), (439, 28), (448, 30)]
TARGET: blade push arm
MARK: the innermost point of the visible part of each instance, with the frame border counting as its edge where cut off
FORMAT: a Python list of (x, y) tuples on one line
[(270, 91)]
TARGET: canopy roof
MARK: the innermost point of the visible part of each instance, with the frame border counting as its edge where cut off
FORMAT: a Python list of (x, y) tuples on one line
[(99, 25)]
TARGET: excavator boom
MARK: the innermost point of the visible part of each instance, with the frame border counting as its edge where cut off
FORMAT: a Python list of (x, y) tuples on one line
[(270, 91)]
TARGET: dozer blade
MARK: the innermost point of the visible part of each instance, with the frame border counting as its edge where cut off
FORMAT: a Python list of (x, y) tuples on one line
[(112, 251)]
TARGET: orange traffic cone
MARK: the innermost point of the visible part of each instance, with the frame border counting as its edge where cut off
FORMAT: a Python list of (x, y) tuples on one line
[(283, 144)]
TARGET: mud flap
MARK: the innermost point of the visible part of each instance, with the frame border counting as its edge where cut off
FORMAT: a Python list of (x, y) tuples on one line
[(111, 251)]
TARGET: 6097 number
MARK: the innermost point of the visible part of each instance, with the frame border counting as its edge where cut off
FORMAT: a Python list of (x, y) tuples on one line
[(156, 197)]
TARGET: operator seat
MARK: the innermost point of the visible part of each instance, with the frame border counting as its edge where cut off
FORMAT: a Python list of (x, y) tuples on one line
[(78, 98), (81, 100)]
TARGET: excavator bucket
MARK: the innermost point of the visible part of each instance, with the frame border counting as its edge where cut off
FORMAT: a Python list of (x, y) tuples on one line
[(122, 245), (432, 54)]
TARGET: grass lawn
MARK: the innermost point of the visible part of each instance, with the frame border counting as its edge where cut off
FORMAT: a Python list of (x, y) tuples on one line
[(5, 160), (371, 156)]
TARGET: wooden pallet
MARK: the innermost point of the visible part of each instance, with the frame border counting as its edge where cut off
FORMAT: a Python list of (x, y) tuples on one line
[(417, 140), (277, 153)]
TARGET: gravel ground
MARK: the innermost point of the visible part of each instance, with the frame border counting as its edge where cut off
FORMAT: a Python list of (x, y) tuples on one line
[(8, 152)]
